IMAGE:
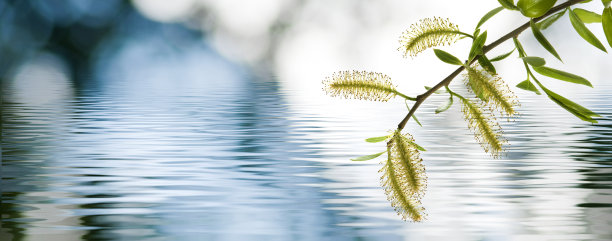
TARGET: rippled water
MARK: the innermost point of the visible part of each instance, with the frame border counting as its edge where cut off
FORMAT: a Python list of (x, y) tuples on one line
[(241, 161)]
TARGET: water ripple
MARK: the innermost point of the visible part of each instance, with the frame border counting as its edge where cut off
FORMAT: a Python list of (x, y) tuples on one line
[(244, 164)]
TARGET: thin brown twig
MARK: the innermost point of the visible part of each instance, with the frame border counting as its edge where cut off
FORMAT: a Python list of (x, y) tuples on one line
[(514, 33)]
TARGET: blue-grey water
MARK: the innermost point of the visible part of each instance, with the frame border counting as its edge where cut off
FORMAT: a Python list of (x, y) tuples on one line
[(139, 155), (118, 127)]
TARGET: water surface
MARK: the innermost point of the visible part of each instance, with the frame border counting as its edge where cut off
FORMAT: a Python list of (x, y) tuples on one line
[(214, 159)]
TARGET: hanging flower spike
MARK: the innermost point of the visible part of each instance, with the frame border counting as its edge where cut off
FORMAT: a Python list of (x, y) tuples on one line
[(485, 127), (360, 85), (404, 179), (428, 32), (491, 89)]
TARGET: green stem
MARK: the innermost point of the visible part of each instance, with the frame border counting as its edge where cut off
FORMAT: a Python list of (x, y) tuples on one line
[(533, 76), (522, 54), (455, 94), (404, 96), (465, 34)]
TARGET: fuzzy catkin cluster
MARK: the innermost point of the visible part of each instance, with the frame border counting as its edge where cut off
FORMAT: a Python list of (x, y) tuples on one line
[(404, 179), (485, 127), (491, 89), (428, 32), (361, 85), (493, 95)]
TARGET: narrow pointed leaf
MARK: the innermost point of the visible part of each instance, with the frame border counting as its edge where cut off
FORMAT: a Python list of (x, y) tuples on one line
[(420, 148), (519, 47), (534, 61), (446, 105), (477, 45), (542, 40), (413, 116), (368, 157), (584, 32), (562, 75), (535, 8), (576, 109), (563, 103), (502, 56), (488, 16), (486, 64), (377, 139), (606, 22), (417, 120), (447, 57), (587, 16), (508, 4), (544, 24), (527, 85)]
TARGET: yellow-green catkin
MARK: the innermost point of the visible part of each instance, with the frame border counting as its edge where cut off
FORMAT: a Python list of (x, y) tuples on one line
[(403, 177), (485, 127), (361, 85), (491, 89), (427, 33)]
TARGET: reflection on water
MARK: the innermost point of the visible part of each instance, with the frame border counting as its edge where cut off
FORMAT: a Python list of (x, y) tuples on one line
[(148, 162)]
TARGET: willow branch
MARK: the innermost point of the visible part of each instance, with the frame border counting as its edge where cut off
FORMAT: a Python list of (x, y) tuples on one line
[(514, 33)]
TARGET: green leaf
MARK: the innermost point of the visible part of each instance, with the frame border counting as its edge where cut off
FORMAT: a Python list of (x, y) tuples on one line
[(447, 58), (606, 22), (544, 24), (502, 56), (508, 4), (534, 61), (486, 64), (519, 47), (476, 33), (477, 45), (606, 3), (584, 32), (368, 157), (562, 75), (540, 37), (413, 116), (587, 16), (446, 105), (576, 109), (527, 85), (416, 120), (535, 8), (420, 148), (377, 139), (488, 16)]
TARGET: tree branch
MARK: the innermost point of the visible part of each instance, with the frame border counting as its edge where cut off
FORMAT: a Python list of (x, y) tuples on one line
[(514, 33)]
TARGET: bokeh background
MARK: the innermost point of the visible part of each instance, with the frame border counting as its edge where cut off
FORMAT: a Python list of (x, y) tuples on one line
[(205, 120)]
